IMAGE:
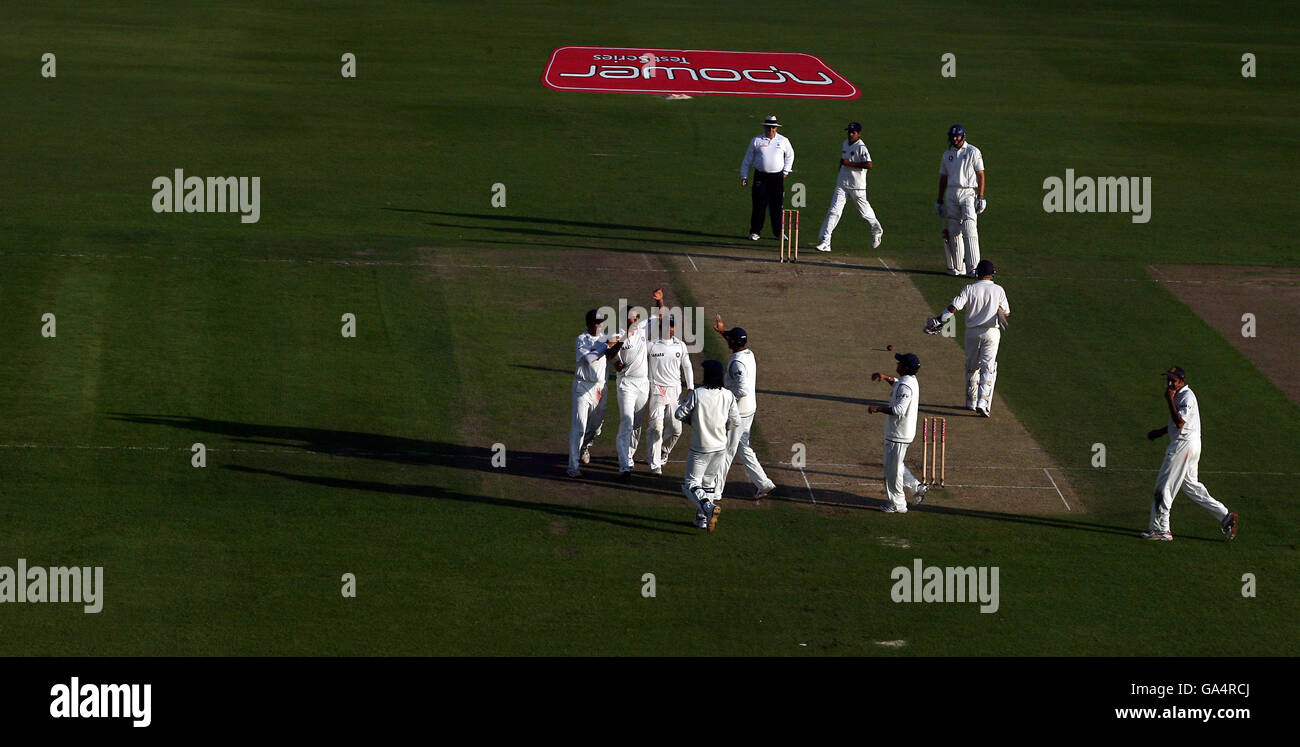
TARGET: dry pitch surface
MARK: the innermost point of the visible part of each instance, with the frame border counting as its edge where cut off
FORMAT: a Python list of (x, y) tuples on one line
[(818, 329)]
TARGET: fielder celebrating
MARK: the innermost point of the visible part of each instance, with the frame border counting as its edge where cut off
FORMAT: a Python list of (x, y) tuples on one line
[(633, 384), (1181, 460), (961, 198), (984, 319), (589, 390), (742, 380), (900, 430), (772, 157), (670, 363), (855, 162), (711, 411)]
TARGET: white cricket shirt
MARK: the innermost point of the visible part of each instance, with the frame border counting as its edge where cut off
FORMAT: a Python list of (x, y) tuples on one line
[(633, 353), (741, 378), (851, 178), (768, 155), (669, 362), (960, 165), (710, 412), (1190, 411), (588, 346), (903, 401), (983, 298)]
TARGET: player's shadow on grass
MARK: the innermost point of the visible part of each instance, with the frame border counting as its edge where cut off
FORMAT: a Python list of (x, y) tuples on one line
[(511, 224), (1034, 520), (433, 491), (501, 219), (358, 445)]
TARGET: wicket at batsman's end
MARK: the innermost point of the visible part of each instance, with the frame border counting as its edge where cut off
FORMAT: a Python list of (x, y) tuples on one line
[(790, 235), (934, 451)]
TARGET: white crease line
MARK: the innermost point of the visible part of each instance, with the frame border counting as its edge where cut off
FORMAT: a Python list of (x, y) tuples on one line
[(692, 263), (1058, 490), (887, 267), (954, 485), (810, 490)]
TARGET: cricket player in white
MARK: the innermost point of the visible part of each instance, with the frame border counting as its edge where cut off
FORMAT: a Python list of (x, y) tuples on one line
[(1181, 460), (987, 310), (670, 363), (711, 411), (900, 431), (855, 162), (589, 402), (742, 379), (961, 198), (633, 391)]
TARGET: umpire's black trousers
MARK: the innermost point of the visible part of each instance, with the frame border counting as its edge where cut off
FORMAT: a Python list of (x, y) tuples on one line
[(769, 194)]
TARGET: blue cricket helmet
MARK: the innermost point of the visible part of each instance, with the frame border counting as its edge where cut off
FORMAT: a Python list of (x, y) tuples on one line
[(956, 131)]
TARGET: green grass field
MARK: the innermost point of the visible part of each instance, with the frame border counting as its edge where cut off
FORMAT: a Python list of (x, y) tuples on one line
[(330, 455)]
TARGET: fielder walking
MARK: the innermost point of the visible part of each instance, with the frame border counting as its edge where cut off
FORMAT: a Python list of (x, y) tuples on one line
[(961, 198), (593, 348), (986, 316), (632, 366), (1178, 471), (900, 431), (855, 162), (670, 364), (711, 411), (772, 157), (742, 380)]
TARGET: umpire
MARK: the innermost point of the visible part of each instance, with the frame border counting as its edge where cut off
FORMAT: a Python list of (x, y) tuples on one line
[(772, 157)]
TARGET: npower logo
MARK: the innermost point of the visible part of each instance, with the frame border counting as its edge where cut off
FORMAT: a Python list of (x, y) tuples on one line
[(694, 71)]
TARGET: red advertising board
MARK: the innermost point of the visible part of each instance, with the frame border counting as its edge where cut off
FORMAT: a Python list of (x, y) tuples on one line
[(694, 71)]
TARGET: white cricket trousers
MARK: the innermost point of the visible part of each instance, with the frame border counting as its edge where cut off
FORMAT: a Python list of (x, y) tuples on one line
[(702, 469), (959, 204), (632, 397), (897, 475), (981, 365), (738, 441), (588, 414), (859, 198), (1179, 471), (662, 429)]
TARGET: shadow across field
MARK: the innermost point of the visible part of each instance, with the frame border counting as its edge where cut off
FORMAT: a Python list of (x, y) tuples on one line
[(401, 450), (433, 491)]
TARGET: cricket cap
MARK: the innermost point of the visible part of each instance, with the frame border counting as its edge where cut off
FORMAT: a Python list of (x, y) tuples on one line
[(854, 127), (1176, 372), (594, 317), (909, 360), (737, 335)]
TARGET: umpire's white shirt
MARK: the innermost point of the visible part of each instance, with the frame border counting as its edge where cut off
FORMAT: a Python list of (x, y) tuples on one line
[(901, 424), (710, 412), (741, 376), (1190, 411), (960, 165), (769, 155), (850, 177), (983, 298)]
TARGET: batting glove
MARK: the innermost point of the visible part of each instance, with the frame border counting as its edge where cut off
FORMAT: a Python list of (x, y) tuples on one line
[(932, 325), (938, 208), (980, 204)]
